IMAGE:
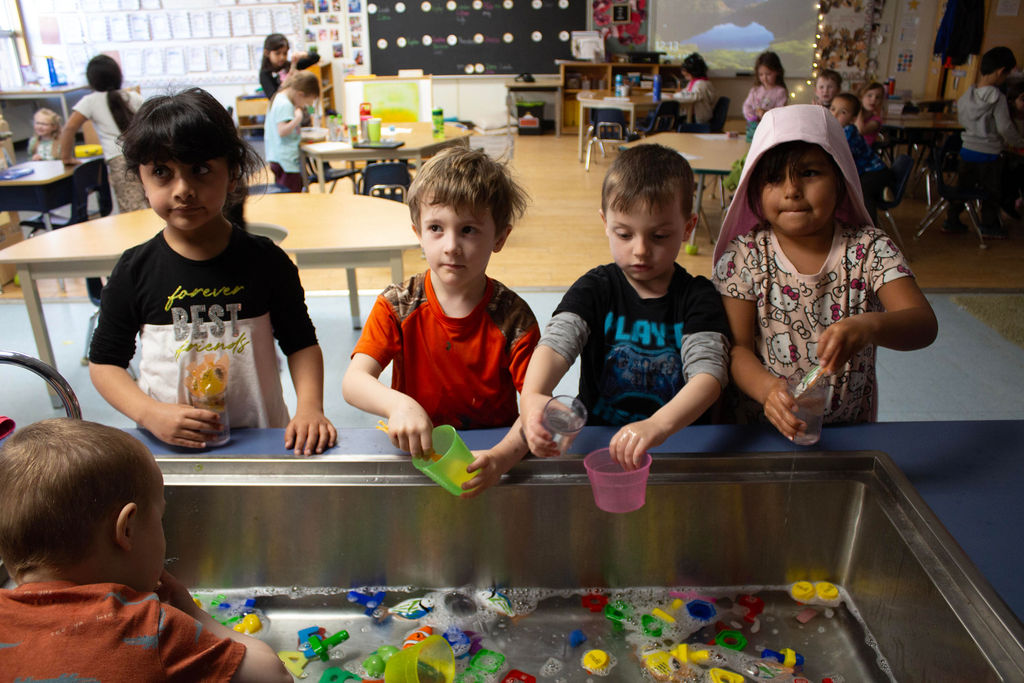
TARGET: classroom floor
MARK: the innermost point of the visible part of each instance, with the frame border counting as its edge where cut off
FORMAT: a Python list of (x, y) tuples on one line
[(971, 372)]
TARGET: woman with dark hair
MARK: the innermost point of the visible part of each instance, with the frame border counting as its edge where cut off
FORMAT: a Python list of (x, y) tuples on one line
[(699, 92), (276, 65), (111, 110)]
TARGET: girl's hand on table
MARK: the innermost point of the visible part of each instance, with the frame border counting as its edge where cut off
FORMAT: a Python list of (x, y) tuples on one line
[(409, 427), (630, 443), (310, 432), (180, 425), (780, 409)]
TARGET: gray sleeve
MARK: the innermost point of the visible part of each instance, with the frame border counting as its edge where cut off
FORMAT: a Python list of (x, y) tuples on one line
[(566, 333), (708, 353)]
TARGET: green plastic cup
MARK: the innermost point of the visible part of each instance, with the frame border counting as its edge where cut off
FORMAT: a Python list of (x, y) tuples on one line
[(449, 470), (373, 130), (429, 661)]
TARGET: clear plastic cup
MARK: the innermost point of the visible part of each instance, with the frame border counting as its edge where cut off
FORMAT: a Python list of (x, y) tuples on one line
[(218, 404), (429, 661), (810, 406), (616, 489), (564, 417), (448, 465), (373, 130)]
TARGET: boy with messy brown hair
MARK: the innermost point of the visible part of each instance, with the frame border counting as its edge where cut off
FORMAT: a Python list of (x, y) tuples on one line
[(459, 340), (81, 534)]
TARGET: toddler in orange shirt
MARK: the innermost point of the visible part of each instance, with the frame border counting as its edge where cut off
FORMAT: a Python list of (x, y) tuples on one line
[(459, 341), (81, 534)]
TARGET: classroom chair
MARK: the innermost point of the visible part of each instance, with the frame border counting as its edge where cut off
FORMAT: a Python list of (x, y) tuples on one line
[(902, 167), (608, 125), (719, 114), (685, 127), (331, 175), (945, 157), (387, 179), (662, 119)]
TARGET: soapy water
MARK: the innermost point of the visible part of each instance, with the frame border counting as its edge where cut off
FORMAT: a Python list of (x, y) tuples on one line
[(535, 638)]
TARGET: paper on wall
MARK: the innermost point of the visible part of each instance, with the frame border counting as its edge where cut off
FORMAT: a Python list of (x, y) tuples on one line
[(200, 23), (239, 57), (218, 56), (174, 61), (119, 30), (195, 57), (283, 21), (262, 22), (153, 62), (160, 26), (180, 26), (139, 24), (241, 25), (220, 23)]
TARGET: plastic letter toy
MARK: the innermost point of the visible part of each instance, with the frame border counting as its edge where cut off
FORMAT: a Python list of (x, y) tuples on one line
[(594, 602), (723, 676), (517, 676), (295, 662), (333, 674)]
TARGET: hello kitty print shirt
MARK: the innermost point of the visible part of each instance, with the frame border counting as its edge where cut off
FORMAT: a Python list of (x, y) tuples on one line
[(794, 308)]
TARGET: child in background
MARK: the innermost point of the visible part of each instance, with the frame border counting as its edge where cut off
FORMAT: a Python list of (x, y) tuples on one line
[(806, 279), (869, 121), (876, 179), (81, 536), (460, 341), (43, 146), (653, 339), (281, 134), (988, 131), (276, 66), (699, 90), (769, 90), (1013, 187), (827, 86), (203, 292), (111, 110)]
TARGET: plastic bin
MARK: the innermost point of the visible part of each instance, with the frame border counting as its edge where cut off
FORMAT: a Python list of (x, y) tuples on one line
[(530, 117)]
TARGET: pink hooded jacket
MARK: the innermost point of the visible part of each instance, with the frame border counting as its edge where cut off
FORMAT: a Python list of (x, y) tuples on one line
[(807, 122)]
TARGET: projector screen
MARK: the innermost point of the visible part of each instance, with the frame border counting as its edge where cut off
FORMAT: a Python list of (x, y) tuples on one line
[(729, 34)]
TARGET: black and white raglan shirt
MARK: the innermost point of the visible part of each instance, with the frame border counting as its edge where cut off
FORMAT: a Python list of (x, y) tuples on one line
[(224, 310)]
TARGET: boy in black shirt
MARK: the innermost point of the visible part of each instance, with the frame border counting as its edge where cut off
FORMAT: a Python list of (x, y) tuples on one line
[(653, 339)]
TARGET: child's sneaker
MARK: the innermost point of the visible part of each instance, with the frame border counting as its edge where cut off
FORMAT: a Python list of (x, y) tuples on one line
[(888, 195)]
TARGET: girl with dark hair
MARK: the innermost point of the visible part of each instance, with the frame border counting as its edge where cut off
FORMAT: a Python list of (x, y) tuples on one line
[(769, 90), (207, 297), (276, 64), (110, 109), (699, 91)]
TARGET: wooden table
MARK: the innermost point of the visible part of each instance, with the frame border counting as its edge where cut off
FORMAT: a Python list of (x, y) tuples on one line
[(708, 154), (922, 121), (59, 93), (629, 105), (420, 143), (324, 231)]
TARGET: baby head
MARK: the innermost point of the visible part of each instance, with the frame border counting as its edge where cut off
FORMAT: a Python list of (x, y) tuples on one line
[(83, 502), (845, 107)]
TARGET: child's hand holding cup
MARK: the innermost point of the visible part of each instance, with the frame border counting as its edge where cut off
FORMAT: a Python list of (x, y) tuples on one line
[(564, 417)]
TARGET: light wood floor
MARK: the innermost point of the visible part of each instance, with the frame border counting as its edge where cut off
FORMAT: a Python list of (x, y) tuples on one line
[(561, 236)]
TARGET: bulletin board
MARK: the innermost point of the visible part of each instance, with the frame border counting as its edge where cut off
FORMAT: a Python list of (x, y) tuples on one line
[(459, 37), (161, 43)]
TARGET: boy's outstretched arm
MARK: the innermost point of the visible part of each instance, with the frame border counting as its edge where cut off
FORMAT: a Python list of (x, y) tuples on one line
[(173, 423), (705, 357), (907, 323), (409, 426), (309, 431), (546, 369), (749, 373), (489, 465), (260, 663)]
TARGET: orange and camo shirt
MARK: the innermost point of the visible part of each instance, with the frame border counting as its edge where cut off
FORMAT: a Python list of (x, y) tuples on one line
[(463, 371)]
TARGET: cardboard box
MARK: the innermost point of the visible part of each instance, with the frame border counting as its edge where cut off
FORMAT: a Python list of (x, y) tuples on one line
[(10, 233)]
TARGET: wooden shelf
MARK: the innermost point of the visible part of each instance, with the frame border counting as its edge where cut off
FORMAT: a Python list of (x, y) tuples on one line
[(596, 72)]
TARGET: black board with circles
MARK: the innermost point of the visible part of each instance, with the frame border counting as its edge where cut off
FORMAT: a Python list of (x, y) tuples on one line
[(466, 37)]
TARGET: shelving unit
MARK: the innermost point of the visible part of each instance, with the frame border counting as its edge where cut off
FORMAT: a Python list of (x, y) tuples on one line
[(599, 78), (252, 111), (323, 72)]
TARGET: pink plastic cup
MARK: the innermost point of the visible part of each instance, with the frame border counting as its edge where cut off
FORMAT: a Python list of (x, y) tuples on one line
[(616, 489)]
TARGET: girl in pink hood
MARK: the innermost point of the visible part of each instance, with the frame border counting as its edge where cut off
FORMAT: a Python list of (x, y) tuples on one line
[(805, 277)]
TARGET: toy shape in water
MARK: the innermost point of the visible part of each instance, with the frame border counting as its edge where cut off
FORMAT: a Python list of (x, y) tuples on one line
[(497, 601), (413, 608), (417, 636)]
